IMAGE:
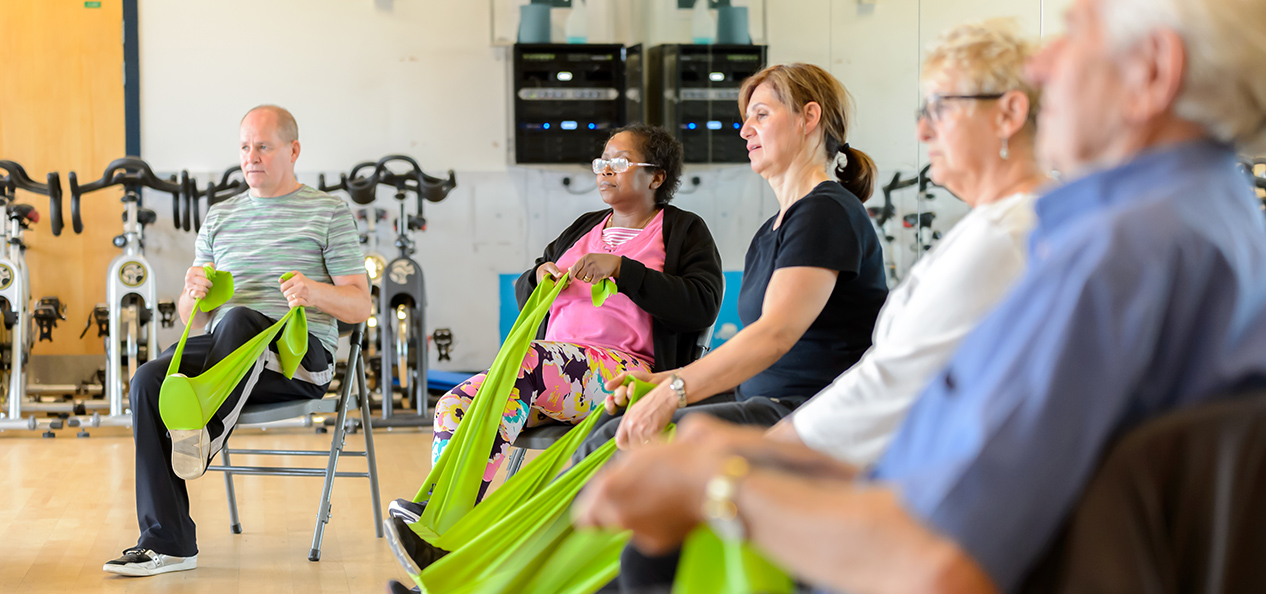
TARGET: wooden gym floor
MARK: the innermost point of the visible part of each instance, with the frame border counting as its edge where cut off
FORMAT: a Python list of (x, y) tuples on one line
[(67, 507)]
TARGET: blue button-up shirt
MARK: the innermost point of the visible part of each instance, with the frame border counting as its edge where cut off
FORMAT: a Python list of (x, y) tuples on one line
[(1146, 293)]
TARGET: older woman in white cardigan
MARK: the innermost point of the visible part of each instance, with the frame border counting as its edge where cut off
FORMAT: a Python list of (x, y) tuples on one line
[(978, 120)]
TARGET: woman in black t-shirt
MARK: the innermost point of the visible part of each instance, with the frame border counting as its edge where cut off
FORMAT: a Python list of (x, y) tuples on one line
[(813, 280)]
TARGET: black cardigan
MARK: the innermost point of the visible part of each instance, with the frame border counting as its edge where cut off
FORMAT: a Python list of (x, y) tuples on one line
[(683, 300)]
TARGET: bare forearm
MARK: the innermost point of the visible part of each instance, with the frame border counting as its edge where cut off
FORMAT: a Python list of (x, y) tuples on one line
[(750, 352), (853, 538), (348, 303)]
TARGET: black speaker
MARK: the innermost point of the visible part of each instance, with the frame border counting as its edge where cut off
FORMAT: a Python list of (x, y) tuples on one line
[(692, 91), (567, 99)]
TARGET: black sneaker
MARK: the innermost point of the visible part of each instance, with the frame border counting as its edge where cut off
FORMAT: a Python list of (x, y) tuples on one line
[(412, 551), (394, 587), (406, 510), (138, 562)]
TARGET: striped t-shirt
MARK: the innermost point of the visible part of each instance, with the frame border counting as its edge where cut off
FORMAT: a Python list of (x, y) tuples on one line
[(615, 237), (260, 239)]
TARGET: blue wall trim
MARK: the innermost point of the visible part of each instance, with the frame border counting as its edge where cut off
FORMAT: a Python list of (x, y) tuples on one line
[(132, 77)]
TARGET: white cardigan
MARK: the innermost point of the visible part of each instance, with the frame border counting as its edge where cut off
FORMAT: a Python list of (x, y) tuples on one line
[(943, 297)]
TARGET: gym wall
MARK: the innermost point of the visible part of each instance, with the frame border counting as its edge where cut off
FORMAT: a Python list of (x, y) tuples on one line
[(421, 77)]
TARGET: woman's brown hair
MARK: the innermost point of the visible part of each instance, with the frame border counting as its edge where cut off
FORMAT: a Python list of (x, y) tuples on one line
[(795, 85)]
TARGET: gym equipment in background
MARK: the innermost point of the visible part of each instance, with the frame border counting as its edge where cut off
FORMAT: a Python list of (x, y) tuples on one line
[(16, 337), (375, 266), (883, 215), (400, 320), (567, 99), (692, 92), (920, 221), (131, 325), (231, 183), (1255, 169)]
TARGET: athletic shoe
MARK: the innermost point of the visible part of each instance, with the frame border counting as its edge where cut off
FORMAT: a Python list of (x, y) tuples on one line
[(406, 510), (413, 553), (190, 452), (138, 562), (394, 587)]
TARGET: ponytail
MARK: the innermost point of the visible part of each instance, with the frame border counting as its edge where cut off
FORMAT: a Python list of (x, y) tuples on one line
[(856, 173)]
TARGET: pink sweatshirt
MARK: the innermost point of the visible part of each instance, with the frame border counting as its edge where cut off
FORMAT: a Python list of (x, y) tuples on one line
[(619, 324)]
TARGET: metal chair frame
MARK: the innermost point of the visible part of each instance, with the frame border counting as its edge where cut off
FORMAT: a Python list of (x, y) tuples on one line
[(354, 377)]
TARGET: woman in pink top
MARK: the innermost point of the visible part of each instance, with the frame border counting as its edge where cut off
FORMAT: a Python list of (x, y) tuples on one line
[(668, 271)]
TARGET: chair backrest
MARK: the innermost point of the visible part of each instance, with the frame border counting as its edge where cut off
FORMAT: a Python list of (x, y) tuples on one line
[(1176, 506), (704, 344)]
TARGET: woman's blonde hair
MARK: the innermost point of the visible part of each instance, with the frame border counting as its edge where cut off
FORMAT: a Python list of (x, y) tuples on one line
[(795, 85), (987, 56)]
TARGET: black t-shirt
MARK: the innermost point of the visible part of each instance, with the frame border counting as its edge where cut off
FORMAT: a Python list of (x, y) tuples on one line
[(828, 228)]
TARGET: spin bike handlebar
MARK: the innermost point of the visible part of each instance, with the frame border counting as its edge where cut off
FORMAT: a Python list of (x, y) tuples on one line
[(341, 185), (361, 189), (130, 172), (18, 179), (191, 218), (426, 187), (889, 210)]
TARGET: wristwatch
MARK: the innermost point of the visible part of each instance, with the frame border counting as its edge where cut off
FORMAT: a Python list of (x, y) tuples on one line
[(719, 509), (679, 386)]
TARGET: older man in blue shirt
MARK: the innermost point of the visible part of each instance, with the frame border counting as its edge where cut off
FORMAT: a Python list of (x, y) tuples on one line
[(1146, 293)]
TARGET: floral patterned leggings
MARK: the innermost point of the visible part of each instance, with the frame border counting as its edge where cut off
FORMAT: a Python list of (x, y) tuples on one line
[(558, 382)]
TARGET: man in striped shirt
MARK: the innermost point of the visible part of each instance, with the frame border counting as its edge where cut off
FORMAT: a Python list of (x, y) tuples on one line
[(279, 225)]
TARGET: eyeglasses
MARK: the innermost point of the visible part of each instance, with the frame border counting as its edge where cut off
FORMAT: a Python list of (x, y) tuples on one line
[(933, 106), (617, 165)]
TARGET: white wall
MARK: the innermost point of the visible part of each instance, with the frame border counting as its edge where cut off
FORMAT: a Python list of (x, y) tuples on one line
[(366, 78)]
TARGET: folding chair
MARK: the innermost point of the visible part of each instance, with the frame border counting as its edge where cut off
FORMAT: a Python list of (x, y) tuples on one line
[(354, 376), (544, 436)]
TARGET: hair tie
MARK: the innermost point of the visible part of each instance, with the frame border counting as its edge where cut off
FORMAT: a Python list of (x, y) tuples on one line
[(844, 148)]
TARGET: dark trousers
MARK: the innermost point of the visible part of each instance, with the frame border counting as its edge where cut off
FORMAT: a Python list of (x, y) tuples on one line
[(162, 501), (763, 412), (643, 574)]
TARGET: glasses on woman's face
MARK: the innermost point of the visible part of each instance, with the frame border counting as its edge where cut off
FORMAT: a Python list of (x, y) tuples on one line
[(933, 106), (617, 165)]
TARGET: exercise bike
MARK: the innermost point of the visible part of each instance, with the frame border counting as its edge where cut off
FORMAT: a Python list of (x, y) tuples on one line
[(400, 319), (16, 338), (883, 215), (129, 319), (375, 268)]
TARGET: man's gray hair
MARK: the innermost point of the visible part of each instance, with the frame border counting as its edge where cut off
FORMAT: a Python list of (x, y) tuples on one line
[(1225, 88), (287, 127)]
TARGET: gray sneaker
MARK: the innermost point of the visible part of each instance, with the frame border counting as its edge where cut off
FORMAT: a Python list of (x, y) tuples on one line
[(190, 452), (138, 562)]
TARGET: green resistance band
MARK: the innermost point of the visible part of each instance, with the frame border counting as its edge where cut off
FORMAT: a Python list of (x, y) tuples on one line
[(501, 539), (188, 403), (516, 542), (711, 565), (451, 487)]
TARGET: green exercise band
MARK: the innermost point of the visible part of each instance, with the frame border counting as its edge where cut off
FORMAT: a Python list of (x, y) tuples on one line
[(520, 539), (188, 403)]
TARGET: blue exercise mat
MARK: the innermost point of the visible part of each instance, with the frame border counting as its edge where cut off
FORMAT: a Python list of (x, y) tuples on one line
[(445, 381)]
